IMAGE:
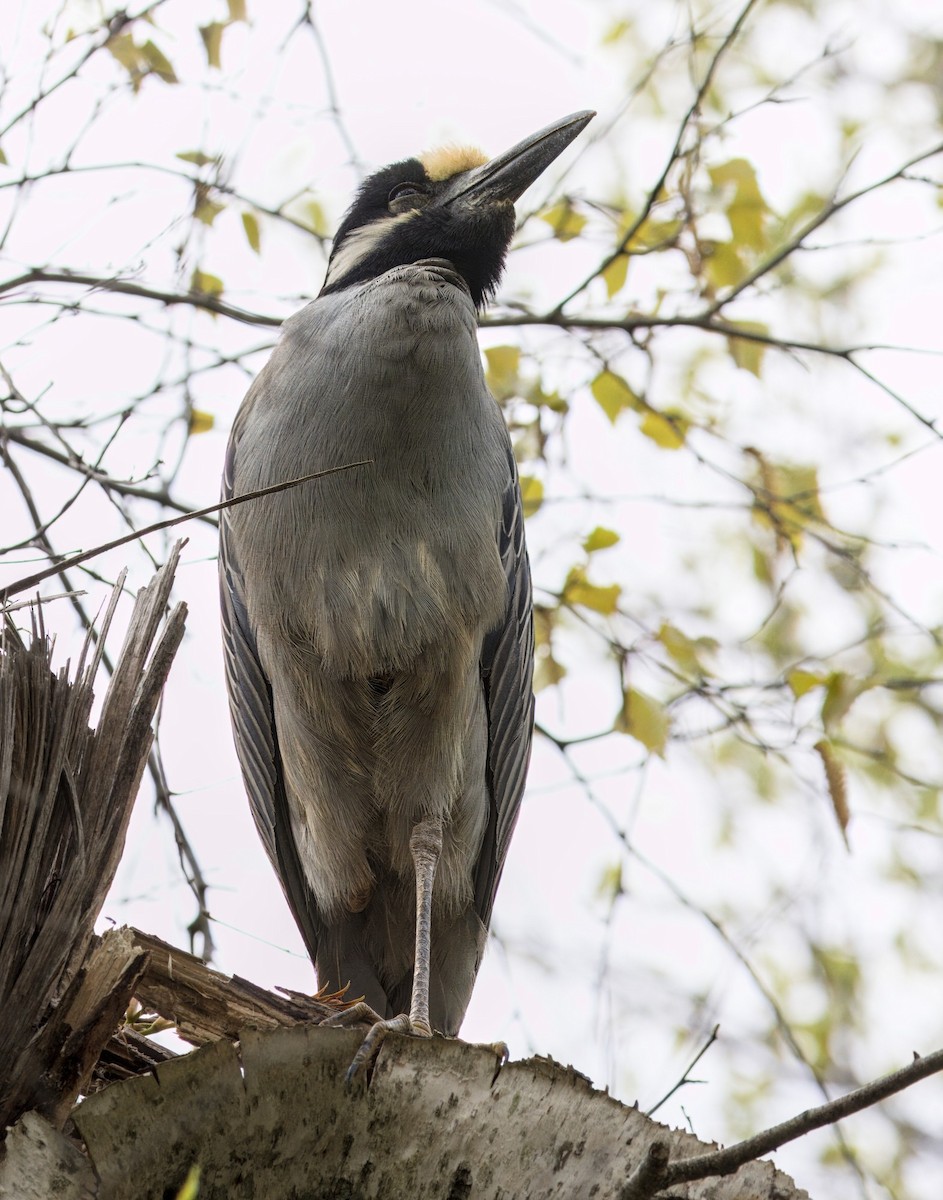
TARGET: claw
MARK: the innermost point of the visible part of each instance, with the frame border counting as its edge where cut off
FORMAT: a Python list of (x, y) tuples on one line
[(361, 1011), (370, 1046)]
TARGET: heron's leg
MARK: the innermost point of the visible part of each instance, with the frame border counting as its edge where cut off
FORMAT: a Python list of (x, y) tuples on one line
[(425, 844)]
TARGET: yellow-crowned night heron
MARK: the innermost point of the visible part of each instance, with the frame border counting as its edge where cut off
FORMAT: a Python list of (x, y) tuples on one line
[(378, 621)]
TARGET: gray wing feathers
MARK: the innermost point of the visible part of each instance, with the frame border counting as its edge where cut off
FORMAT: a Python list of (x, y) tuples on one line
[(507, 668), (253, 719)]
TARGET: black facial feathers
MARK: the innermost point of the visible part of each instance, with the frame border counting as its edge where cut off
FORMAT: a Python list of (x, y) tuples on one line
[(379, 233)]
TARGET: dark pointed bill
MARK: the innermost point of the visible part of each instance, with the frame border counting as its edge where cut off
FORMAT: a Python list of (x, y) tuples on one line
[(510, 174)]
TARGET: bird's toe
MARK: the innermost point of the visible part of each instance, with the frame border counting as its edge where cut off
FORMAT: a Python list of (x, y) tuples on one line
[(370, 1046)]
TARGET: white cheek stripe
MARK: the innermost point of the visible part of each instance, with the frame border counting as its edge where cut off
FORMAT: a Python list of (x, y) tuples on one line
[(359, 243)]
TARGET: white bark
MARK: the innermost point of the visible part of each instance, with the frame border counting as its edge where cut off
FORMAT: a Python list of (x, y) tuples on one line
[(273, 1119)]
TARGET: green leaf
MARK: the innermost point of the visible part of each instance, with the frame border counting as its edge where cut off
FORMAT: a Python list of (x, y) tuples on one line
[(644, 719), (746, 353), (579, 590), (841, 691), (158, 64), (788, 499), (140, 61), (653, 234), (212, 36), (746, 210), (837, 782), (205, 284), (684, 650), (310, 214), (613, 394), (191, 1185), (532, 494), (208, 210), (501, 373), (762, 566), (801, 681), (123, 49), (541, 399), (798, 485), (600, 539), (723, 265), (616, 32), (563, 220), (3, 158), (250, 223), (547, 671), (808, 206), (667, 431), (610, 883), (197, 157), (200, 421), (614, 274)]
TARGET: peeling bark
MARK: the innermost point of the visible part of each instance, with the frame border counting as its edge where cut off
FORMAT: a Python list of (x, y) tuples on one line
[(66, 793)]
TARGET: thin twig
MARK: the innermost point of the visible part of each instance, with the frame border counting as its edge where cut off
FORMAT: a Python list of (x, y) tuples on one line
[(32, 580), (686, 1077)]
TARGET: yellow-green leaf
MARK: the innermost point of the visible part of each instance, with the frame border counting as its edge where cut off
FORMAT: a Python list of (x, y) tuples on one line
[(200, 421), (237, 10), (762, 567), (565, 222), (203, 282), (614, 274), (123, 49), (532, 494), (664, 430), (191, 1185), (547, 671), (683, 650), (801, 681), (798, 485), (310, 214), (610, 882), (746, 210), (3, 158), (745, 352), (723, 265), (653, 233), (541, 399), (616, 32), (613, 394), (600, 539), (501, 375), (644, 719), (250, 223), (788, 499), (841, 691), (197, 157), (544, 621), (808, 206), (579, 590), (208, 210), (212, 36), (158, 63), (837, 785)]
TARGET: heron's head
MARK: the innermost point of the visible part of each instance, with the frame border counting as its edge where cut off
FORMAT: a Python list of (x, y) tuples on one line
[(450, 203)]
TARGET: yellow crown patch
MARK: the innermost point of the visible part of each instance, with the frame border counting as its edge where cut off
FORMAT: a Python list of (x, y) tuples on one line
[(447, 161)]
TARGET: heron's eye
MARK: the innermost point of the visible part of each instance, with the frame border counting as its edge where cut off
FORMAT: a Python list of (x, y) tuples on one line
[(406, 189)]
